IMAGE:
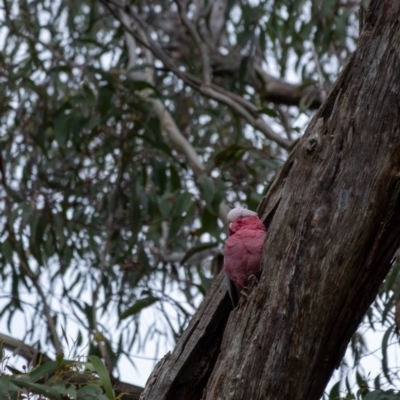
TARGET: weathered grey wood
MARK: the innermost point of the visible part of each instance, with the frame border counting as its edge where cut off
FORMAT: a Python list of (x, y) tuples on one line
[(335, 225), (178, 376), (333, 218)]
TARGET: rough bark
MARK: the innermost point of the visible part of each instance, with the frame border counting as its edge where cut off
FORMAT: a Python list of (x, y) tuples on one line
[(333, 218), (180, 375)]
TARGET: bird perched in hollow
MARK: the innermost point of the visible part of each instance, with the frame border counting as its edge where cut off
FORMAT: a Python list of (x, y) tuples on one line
[(243, 249)]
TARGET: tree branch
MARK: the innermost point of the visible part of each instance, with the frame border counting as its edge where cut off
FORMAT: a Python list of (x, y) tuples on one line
[(181, 144), (22, 349), (245, 108), (217, 20), (200, 43), (271, 89), (281, 92), (256, 121)]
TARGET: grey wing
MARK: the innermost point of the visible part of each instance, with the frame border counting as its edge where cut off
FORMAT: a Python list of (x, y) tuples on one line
[(233, 293)]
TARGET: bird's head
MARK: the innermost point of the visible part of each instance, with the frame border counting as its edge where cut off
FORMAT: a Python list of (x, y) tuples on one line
[(235, 215)]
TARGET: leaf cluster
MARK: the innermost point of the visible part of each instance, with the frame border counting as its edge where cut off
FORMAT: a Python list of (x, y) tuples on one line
[(59, 380)]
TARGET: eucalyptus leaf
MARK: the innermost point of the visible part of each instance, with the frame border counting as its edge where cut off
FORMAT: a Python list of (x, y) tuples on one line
[(139, 305)]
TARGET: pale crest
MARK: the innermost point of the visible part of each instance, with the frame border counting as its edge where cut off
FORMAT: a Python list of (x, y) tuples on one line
[(239, 213)]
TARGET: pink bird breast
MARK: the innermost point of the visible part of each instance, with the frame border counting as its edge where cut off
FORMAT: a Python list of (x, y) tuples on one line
[(243, 249)]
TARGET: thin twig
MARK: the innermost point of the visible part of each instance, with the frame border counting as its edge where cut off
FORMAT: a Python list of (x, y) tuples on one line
[(25, 267), (285, 119), (319, 71), (99, 336)]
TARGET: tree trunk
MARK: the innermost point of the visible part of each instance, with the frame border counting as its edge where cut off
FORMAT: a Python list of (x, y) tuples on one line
[(333, 219), (184, 373)]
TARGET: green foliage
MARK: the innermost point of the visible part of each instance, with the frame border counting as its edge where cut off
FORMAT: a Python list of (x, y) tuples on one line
[(382, 395), (382, 318), (287, 29), (60, 380), (138, 306), (103, 374), (107, 230)]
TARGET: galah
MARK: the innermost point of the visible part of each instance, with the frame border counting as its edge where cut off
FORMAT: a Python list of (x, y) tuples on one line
[(243, 249)]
